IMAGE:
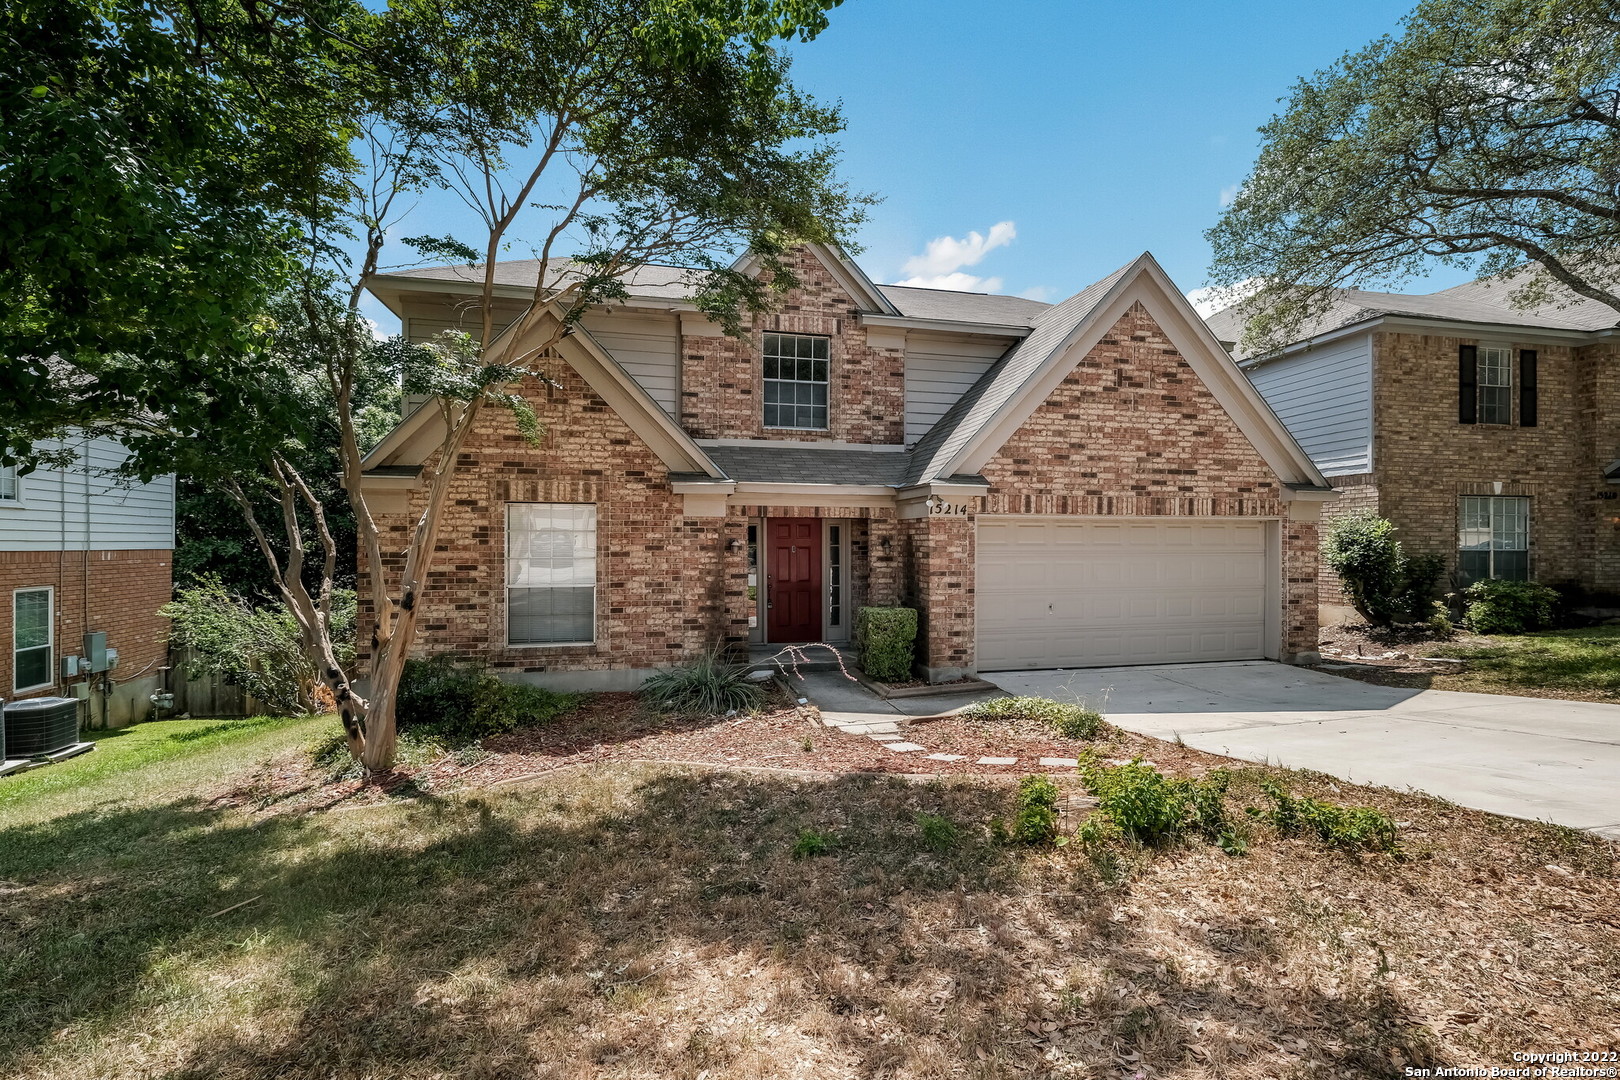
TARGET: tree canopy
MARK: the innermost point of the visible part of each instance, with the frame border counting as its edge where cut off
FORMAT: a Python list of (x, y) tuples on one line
[(1485, 136)]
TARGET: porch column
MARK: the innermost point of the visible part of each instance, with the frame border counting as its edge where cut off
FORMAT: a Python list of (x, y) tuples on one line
[(943, 581)]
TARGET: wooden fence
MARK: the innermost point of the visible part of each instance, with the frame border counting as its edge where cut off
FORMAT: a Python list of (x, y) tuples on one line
[(209, 695)]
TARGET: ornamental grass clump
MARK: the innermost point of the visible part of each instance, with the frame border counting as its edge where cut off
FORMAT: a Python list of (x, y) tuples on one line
[(712, 685)]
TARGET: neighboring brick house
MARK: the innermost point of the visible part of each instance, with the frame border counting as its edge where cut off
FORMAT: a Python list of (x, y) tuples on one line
[(1486, 433), (1081, 484), (82, 551)]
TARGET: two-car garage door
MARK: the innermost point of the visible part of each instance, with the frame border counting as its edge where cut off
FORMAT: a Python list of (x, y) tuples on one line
[(1094, 593)]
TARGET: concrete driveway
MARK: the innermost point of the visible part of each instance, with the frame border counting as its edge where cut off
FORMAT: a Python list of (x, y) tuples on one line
[(1527, 757)]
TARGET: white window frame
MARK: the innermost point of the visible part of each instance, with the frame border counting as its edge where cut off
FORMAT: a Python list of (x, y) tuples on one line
[(596, 587), (16, 496), (825, 383), (1482, 359), (1494, 507), (50, 638)]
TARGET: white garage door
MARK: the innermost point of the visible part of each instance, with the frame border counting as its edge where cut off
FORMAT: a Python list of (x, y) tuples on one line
[(1134, 591)]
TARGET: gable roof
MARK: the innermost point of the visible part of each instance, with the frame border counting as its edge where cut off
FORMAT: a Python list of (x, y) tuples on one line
[(1487, 301), (980, 422)]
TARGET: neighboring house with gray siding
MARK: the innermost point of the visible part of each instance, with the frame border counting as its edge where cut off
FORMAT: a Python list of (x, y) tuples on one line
[(1487, 433), (82, 551)]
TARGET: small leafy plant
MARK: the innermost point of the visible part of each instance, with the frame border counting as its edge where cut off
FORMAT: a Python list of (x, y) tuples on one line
[(937, 832), (1069, 720), (1349, 828), (711, 685), (811, 843), (1036, 822), (1151, 808)]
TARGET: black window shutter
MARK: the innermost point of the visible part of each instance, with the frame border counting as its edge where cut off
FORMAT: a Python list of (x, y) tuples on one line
[(1527, 388), (1467, 384)]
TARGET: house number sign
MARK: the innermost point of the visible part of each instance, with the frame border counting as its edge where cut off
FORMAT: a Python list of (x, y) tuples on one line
[(938, 507)]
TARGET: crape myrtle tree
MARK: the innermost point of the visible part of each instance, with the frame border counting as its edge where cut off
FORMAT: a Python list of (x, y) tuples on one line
[(1486, 136), (618, 132)]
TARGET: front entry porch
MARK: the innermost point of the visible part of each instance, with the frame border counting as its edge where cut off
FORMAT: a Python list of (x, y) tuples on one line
[(800, 585)]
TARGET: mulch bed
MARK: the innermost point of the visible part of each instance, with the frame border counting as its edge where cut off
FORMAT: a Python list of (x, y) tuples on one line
[(615, 727)]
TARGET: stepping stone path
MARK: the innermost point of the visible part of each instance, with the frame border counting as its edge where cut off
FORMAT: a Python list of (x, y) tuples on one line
[(997, 761), (905, 747), (879, 728)]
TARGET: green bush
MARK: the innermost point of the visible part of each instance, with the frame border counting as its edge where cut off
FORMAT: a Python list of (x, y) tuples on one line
[(1146, 805), (1037, 819), (1508, 607), (884, 637), (256, 648), (1070, 721), (1380, 580), (1350, 828), (711, 685), (465, 703)]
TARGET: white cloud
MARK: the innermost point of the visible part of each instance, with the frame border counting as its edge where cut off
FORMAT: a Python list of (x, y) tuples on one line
[(1229, 194), (940, 265), (1211, 299)]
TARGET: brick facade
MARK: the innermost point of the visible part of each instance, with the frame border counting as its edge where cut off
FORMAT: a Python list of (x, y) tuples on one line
[(1424, 460), (722, 380), (1132, 431), (118, 592)]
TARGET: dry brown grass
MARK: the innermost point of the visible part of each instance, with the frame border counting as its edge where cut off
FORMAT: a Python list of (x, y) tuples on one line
[(622, 921)]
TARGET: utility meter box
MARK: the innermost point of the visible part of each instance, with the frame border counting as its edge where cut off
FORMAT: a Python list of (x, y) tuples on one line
[(95, 651)]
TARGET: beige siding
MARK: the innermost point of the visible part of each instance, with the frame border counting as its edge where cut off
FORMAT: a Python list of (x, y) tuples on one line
[(647, 346), (939, 369)]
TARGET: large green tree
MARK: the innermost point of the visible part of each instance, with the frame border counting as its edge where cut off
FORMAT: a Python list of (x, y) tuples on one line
[(617, 132), (1486, 135), (155, 158)]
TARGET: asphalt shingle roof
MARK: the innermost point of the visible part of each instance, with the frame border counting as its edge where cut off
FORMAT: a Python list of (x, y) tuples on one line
[(1484, 301), (768, 464)]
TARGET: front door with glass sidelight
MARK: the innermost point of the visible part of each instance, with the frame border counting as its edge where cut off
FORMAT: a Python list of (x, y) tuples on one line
[(793, 592)]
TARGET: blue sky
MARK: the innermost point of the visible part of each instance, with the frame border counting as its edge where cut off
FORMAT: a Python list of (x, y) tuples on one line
[(1088, 132)]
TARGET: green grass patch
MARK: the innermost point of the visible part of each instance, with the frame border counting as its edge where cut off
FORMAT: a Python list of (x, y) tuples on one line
[(1586, 660), (154, 755)]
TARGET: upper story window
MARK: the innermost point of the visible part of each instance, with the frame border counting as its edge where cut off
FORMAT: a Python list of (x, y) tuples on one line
[(1485, 379), (9, 490), (1494, 538), (795, 381)]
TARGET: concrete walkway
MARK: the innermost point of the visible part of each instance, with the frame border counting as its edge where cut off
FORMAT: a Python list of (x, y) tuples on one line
[(1534, 758)]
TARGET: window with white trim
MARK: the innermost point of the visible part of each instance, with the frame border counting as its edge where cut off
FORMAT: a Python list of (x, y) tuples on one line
[(10, 490), (1495, 385), (550, 573), (33, 639), (1494, 538), (795, 381)]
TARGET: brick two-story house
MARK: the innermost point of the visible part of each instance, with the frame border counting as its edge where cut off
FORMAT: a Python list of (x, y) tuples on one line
[(1485, 432), (1080, 484)]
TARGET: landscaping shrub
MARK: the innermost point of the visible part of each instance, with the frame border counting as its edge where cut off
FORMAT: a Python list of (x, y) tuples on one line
[(1151, 808), (1350, 828), (884, 637), (256, 648), (1380, 580), (1037, 819), (711, 685), (1070, 721), (465, 703), (1508, 607)]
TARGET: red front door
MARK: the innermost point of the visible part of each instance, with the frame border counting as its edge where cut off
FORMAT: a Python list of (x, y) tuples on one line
[(793, 579)]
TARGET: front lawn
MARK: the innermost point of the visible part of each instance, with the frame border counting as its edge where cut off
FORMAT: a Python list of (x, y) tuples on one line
[(1577, 664), (623, 919)]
